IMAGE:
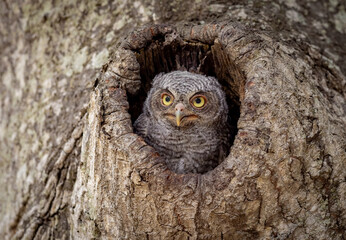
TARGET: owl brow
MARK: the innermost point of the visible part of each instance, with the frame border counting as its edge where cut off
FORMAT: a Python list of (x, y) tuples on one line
[(160, 92), (200, 93), (166, 91)]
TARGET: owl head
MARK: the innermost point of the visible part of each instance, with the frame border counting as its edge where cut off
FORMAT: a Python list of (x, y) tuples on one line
[(183, 100)]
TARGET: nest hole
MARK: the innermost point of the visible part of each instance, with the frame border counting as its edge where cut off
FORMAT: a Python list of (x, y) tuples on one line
[(196, 57)]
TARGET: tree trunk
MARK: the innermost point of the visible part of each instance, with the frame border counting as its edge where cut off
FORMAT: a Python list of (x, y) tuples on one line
[(73, 168)]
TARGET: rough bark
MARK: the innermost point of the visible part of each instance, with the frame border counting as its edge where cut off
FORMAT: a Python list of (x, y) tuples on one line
[(73, 168)]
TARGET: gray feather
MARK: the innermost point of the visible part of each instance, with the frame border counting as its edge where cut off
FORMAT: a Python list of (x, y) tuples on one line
[(200, 145)]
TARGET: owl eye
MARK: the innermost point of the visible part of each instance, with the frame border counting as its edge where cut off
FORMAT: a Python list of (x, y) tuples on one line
[(198, 101), (166, 99)]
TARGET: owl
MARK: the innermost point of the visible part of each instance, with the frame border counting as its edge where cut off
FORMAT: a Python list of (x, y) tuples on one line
[(185, 118)]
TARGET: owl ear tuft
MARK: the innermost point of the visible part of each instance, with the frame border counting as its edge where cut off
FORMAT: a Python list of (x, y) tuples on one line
[(214, 80), (157, 78)]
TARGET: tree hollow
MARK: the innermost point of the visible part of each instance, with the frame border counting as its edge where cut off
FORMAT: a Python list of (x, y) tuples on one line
[(277, 142)]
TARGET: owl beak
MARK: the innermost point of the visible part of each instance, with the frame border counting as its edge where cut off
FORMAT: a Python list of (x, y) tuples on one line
[(178, 117), (179, 108)]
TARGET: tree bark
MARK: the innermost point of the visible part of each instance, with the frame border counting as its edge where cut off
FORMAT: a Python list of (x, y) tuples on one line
[(72, 168)]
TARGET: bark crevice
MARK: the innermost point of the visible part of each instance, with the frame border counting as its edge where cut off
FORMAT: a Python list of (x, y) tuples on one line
[(250, 192)]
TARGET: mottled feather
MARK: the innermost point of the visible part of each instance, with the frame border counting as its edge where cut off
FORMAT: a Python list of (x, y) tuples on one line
[(202, 141)]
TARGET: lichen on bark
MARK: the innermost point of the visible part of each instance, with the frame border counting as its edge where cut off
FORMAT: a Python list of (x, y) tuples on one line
[(62, 168)]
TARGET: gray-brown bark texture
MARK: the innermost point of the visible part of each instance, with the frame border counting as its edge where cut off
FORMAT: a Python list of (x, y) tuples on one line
[(72, 85)]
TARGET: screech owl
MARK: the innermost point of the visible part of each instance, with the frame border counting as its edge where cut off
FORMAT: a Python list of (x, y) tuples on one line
[(185, 119)]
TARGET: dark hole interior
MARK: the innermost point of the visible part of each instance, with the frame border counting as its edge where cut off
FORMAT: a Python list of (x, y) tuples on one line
[(210, 60)]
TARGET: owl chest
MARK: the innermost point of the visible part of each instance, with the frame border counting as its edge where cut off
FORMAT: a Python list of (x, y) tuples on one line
[(179, 144)]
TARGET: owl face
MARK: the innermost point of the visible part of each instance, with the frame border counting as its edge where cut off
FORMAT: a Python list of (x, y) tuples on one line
[(183, 99)]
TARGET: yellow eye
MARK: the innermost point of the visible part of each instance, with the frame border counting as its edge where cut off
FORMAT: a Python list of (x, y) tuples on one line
[(166, 99), (199, 101)]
